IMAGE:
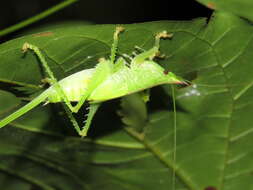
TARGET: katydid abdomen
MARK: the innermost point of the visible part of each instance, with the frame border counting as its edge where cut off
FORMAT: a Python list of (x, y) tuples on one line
[(74, 86), (126, 81)]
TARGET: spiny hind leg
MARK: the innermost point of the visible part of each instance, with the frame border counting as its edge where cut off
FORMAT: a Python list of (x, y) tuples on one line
[(52, 80), (150, 54), (72, 118), (91, 113)]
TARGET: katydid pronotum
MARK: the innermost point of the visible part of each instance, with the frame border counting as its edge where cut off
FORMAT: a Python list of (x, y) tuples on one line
[(111, 78)]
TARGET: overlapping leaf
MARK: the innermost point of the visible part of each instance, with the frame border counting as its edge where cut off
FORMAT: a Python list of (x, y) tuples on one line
[(242, 8)]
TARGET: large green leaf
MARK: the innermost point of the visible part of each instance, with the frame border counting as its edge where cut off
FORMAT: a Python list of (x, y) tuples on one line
[(241, 8), (214, 114)]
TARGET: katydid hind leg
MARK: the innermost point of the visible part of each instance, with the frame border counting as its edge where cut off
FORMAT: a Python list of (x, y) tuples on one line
[(92, 110), (72, 118), (82, 131), (24, 109), (52, 78)]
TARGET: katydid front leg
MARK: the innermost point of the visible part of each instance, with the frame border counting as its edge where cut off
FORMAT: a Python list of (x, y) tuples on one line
[(150, 54)]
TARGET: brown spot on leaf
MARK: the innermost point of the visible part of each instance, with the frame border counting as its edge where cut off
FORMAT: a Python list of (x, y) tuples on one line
[(42, 34), (211, 5), (165, 72), (210, 188)]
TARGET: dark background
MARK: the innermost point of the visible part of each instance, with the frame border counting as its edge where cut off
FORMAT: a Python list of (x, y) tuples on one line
[(101, 11)]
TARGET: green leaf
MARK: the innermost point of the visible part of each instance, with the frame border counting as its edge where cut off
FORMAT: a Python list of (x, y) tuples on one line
[(214, 114), (242, 8)]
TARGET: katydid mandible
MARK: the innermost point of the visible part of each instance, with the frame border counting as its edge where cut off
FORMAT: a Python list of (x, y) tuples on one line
[(111, 78)]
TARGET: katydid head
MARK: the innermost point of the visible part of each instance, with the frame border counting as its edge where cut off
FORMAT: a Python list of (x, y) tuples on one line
[(153, 70), (172, 78)]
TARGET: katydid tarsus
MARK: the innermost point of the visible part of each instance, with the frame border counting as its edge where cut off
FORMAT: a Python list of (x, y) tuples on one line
[(111, 78)]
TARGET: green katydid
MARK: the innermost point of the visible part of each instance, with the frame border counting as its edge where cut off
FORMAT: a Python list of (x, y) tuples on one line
[(111, 78)]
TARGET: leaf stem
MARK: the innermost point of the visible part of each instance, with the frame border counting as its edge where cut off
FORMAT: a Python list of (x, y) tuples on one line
[(37, 17)]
